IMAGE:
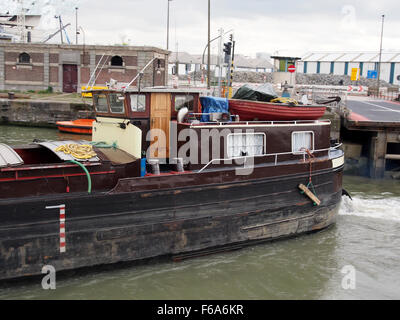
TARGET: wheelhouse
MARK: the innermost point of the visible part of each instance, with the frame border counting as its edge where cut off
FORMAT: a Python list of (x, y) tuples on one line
[(145, 103)]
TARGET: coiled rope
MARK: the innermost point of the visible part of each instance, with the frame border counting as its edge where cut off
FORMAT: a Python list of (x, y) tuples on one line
[(78, 151)]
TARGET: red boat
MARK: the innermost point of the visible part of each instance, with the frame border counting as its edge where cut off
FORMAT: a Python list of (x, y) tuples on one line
[(256, 110), (80, 126)]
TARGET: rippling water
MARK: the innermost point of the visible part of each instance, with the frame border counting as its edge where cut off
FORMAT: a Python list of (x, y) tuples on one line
[(366, 236), (14, 135)]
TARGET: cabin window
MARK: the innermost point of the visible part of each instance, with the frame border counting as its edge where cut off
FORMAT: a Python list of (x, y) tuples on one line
[(24, 58), (100, 102), (246, 144), (184, 101), (117, 103), (302, 141), (138, 102), (117, 61)]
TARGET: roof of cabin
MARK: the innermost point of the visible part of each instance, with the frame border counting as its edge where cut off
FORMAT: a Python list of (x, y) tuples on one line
[(153, 89)]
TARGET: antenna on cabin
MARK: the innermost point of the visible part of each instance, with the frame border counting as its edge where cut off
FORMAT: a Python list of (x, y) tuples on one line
[(140, 74)]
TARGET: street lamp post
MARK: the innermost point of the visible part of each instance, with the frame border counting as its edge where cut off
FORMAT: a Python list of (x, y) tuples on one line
[(209, 53), (205, 48), (168, 24), (380, 56), (76, 25), (83, 33)]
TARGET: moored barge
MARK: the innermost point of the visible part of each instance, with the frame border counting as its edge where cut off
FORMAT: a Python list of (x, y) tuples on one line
[(206, 185)]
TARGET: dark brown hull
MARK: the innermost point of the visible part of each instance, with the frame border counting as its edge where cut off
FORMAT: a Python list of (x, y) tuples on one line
[(179, 217)]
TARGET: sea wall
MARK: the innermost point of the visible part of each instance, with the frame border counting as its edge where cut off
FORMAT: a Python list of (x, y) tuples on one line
[(41, 113)]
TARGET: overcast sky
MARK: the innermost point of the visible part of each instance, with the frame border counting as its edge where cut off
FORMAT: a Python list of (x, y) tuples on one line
[(284, 26)]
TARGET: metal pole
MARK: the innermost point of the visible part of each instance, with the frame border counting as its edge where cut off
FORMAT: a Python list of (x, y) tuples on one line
[(61, 28), (205, 48), (168, 24), (380, 56), (209, 53), (76, 25), (232, 67), (220, 62), (83, 32)]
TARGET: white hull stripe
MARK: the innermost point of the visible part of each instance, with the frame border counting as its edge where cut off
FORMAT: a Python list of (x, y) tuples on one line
[(337, 162)]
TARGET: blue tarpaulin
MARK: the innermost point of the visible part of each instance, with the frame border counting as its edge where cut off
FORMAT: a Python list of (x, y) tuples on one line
[(213, 104)]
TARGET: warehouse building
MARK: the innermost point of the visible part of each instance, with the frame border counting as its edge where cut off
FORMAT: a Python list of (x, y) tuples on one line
[(66, 68), (342, 63)]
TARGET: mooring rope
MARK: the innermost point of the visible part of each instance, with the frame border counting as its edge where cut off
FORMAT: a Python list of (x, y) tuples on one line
[(78, 151)]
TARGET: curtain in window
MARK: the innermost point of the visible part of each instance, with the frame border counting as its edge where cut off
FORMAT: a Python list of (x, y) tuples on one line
[(302, 141), (247, 144), (138, 102)]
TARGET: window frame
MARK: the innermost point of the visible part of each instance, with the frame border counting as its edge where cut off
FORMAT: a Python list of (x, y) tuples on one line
[(137, 95), (122, 65), (26, 55), (109, 103), (312, 142), (246, 133), (184, 95)]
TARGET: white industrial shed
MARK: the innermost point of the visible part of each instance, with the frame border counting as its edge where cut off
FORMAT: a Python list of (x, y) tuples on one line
[(341, 63)]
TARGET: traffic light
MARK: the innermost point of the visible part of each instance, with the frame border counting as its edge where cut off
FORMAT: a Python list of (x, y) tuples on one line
[(227, 50)]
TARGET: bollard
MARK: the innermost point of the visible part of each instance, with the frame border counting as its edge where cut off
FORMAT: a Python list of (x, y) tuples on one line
[(179, 164), (155, 166)]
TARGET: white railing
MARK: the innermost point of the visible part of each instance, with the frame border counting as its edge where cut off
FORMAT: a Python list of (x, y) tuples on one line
[(270, 155), (249, 123)]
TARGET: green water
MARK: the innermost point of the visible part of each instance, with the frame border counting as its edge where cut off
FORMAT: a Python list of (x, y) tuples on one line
[(366, 236), (16, 135)]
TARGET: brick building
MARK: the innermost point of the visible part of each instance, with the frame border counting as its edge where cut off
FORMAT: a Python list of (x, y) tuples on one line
[(29, 66)]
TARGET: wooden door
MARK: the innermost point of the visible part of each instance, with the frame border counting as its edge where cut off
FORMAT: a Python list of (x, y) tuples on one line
[(70, 78), (160, 116)]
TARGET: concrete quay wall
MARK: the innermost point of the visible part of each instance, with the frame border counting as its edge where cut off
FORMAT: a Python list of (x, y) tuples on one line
[(41, 113)]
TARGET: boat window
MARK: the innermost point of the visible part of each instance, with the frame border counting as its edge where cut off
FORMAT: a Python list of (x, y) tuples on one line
[(302, 141), (100, 102), (246, 144), (116, 103), (184, 100), (138, 102)]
